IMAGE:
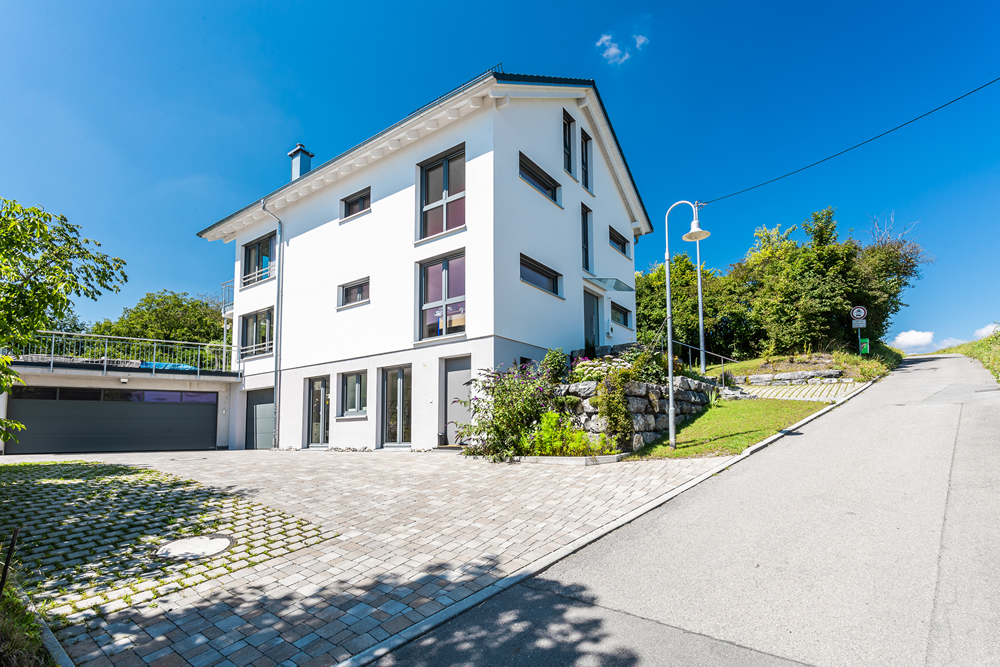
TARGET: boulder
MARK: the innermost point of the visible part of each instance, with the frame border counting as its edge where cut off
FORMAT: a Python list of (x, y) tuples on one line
[(831, 373), (637, 405), (740, 379), (637, 442), (649, 436), (635, 389), (760, 379), (586, 406), (795, 375), (561, 390), (597, 424), (583, 389), (798, 381), (653, 391), (654, 402), (662, 423)]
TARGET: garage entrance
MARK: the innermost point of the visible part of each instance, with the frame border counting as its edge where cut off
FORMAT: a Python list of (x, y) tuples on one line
[(73, 420)]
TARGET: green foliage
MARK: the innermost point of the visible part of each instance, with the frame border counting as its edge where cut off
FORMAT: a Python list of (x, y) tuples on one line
[(169, 315), (866, 367), (785, 295), (986, 350), (20, 636), (594, 370), (555, 365), (649, 365), (44, 261), (555, 436), (613, 404)]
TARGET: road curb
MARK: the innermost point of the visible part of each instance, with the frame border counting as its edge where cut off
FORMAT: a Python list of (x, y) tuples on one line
[(384, 647), (52, 645)]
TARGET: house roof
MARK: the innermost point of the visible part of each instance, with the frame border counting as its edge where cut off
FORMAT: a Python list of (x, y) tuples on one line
[(489, 85)]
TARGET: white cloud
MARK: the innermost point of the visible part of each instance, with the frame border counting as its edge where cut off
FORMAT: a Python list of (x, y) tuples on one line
[(987, 330), (640, 40), (950, 342), (612, 53), (913, 341)]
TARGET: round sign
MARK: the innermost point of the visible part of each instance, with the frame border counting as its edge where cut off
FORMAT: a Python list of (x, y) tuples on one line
[(859, 312)]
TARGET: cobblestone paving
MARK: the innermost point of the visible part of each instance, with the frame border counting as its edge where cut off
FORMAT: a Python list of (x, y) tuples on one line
[(803, 392), (417, 532)]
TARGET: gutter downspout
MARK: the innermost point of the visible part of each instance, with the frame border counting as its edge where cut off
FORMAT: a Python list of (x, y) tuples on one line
[(277, 324)]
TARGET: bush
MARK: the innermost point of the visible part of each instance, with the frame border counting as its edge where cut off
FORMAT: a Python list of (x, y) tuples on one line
[(595, 370), (555, 436), (555, 366)]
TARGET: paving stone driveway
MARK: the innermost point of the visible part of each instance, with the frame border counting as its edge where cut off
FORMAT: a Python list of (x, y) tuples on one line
[(418, 532), (803, 392)]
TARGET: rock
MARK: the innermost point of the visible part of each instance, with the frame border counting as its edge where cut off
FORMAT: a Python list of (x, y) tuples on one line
[(831, 373), (795, 375), (649, 436), (760, 379), (649, 422), (637, 405), (587, 407), (637, 441), (597, 425), (561, 390), (798, 381), (781, 383), (701, 398), (831, 381), (654, 403), (682, 382), (740, 379), (662, 423), (847, 379), (814, 381), (583, 389), (653, 391), (635, 389)]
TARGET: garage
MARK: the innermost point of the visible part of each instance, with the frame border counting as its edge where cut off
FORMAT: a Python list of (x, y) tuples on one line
[(64, 420)]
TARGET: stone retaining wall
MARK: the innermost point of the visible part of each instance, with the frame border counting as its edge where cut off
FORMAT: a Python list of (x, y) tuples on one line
[(648, 404), (794, 377)]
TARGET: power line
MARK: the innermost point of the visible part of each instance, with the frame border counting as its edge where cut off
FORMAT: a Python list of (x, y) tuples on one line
[(855, 146)]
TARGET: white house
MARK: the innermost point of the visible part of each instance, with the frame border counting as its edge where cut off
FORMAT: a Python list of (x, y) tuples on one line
[(492, 224)]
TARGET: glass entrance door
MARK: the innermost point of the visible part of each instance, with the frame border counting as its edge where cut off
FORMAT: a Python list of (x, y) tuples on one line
[(319, 411), (396, 384)]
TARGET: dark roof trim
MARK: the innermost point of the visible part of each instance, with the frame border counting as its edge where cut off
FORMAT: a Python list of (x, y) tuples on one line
[(590, 83)]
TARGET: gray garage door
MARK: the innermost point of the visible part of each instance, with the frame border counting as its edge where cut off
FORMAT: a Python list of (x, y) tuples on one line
[(74, 420)]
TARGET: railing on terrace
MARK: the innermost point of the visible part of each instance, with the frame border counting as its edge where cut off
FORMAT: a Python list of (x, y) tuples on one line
[(260, 274), (119, 353), (227, 295), (256, 349)]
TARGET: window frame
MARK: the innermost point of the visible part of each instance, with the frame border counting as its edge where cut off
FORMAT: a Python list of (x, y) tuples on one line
[(324, 436), (612, 234), (569, 127), (447, 196), (365, 196), (585, 233), (585, 144), (445, 300), (259, 273), (538, 267), (624, 312), (261, 348), (344, 303), (537, 178), (360, 407)]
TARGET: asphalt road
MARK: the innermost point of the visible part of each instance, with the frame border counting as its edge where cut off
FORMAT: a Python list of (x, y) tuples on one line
[(869, 537)]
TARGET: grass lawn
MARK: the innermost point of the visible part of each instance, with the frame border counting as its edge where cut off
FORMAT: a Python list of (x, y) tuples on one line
[(730, 427), (868, 367), (987, 350), (20, 636)]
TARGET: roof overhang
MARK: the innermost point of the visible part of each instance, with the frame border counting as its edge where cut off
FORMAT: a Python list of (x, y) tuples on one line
[(491, 88)]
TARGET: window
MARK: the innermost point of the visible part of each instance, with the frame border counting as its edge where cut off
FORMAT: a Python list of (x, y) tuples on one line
[(355, 292), (319, 411), (539, 275), (619, 315), (585, 159), (257, 333), (538, 178), (354, 394), (442, 296), (358, 202), (585, 235), (79, 394), (443, 198), (257, 260), (567, 142), (617, 241)]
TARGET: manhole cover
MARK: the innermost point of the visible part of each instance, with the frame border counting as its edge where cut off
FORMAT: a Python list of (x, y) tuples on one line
[(193, 548)]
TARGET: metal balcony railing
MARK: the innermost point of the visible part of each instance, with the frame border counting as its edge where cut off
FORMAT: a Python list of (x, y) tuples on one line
[(119, 353), (256, 349), (260, 274), (227, 296)]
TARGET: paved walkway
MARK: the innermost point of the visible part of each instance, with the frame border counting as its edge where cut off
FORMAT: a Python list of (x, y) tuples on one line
[(803, 392), (418, 533)]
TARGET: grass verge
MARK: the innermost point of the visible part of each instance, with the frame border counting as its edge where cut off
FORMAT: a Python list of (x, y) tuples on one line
[(20, 635), (729, 428), (880, 361), (986, 350)]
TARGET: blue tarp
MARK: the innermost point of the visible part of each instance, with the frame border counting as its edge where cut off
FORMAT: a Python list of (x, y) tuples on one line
[(161, 366)]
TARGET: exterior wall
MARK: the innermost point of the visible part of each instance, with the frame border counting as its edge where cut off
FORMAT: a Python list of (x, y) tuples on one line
[(64, 377), (529, 222)]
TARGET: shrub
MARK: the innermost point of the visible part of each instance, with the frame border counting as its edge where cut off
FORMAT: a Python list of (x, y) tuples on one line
[(555, 366), (595, 370), (555, 436), (613, 405), (505, 407)]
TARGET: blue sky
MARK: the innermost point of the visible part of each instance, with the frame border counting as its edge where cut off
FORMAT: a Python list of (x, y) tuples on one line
[(146, 122)]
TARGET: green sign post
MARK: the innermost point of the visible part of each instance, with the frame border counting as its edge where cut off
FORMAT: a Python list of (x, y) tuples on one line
[(864, 345)]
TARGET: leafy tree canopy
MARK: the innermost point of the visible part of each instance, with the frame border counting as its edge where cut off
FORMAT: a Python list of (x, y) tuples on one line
[(168, 315)]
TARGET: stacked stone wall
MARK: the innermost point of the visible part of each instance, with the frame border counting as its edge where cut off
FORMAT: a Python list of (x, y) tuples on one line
[(795, 377)]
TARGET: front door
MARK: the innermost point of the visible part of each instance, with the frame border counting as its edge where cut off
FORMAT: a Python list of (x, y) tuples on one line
[(457, 372), (260, 419), (396, 384), (319, 411), (589, 318)]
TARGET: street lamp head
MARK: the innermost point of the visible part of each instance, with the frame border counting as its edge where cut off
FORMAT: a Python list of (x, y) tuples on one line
[(696, 233)]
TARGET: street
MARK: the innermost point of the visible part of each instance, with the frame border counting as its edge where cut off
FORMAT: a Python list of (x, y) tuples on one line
[(869, 537)]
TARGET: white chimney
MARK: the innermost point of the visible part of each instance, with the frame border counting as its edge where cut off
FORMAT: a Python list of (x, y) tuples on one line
[(300, 161)]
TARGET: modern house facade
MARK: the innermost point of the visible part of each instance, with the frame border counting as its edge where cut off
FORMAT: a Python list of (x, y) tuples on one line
[(491, 225)]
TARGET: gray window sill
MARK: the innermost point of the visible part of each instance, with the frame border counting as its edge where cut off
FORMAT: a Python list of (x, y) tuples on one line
[(541, 289), (625, 255), (547, 198), (439, 339), (450, 232), (570, 174), (355, 216), (589, 191), (360, 417), (348, 306)]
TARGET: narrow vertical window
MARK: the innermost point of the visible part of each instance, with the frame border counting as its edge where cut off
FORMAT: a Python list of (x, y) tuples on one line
[(442, 297), (319, 411), (354, 392), (443, 199), (585, 159), (585, 236), (567, 142)]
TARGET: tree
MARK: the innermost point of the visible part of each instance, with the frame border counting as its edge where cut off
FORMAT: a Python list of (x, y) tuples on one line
[(167, 315), (44, 261)]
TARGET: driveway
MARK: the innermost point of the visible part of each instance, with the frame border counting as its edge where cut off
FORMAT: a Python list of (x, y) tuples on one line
[(369, 544)]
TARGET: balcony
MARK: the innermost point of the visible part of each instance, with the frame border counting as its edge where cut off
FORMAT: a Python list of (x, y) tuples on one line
[(261, 274), (227, 299), (91, 352)]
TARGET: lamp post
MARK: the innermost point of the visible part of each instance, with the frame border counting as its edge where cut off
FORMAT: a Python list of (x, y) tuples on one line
[(697, 234), (695, 229)]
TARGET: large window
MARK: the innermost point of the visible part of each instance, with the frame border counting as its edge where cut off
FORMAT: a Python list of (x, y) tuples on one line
[(567, 142), (585, 159), (358, 202), (354, 394), (585, 235), (533, 174), (620, 315), (617, 241), (257, 333), (258, 260), (443, 198), (539, 275), (319, 411), (442, 297)]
